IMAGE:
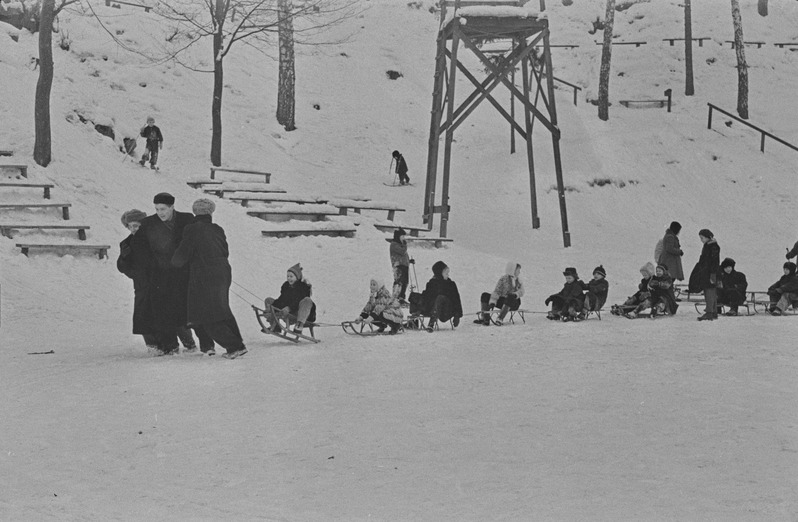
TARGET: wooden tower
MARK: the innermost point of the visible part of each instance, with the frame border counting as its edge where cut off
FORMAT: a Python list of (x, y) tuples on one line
[(526, 36)]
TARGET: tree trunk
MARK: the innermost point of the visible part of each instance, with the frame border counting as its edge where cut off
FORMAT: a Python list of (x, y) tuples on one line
[(762, 7), (689, 88), (287, 76), (742, 67), (42, 149), (218, 86), (606, 55)]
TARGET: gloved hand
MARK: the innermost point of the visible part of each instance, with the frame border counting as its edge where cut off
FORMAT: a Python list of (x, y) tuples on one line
[(412, 261), (368, 319), (713, 279), (681, 252)]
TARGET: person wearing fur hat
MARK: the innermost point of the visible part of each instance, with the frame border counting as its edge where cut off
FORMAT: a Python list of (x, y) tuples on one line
[(158, 237), (731, 287), (294, 300), (382, 309), (704, 277), (400, 262), (204, 251), (135, 264), (659, 296), (784, 292), (568, 303), (506, 296), (441, 299), (401, 168), (597, 289), (647, 271), (671, 253)]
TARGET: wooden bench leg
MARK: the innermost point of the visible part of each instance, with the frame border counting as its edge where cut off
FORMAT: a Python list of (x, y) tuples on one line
[(82, 234), (6, 232), (65, 212), (103, 253), (391, 214), (24, 172), (213, 173), (342, 211), (25, 250), (46, 192)]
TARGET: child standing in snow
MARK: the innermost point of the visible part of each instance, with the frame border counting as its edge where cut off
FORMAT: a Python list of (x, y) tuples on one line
[(597, 289), (647, 271), (568, 302), (506, 296), (400, 262), (382, 309), (152, 134), (705, 274), (294, 299), (401, 168)]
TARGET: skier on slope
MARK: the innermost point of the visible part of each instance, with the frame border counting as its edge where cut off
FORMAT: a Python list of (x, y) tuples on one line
[(401, 168)]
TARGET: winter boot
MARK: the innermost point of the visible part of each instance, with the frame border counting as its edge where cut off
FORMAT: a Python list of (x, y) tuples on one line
[(234, 354), (708, 316)]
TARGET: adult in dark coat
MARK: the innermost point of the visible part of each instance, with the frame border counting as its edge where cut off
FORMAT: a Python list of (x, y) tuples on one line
[(732, 287), (704, 277), (204, 250), (295, 299), (671, 255), (441, 298), (159, 236), (134, 263)]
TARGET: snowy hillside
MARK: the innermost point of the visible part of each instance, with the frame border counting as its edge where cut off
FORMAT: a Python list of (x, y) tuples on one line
[(605, 420)]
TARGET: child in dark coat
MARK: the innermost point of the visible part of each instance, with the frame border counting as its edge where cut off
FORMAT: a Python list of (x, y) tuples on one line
[(568, 302), (152, 134), (660, 297), (441, 299), (784, 291), (597, 289), (294, 299), (401, 168), (731, 287)]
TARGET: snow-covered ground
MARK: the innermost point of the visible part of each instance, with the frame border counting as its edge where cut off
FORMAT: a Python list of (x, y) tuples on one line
[(607, 420)]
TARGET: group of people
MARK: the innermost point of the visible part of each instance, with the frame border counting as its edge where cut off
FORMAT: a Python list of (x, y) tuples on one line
[(181, 278)]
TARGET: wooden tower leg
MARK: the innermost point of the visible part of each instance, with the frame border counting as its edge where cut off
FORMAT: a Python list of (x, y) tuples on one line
[(447, 147), (512, 113), (529, 150), (435, 130), (555, 141)]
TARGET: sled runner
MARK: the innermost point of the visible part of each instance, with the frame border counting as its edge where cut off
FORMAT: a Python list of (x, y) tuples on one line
[(494, 315), (365, 329), (283, 322)]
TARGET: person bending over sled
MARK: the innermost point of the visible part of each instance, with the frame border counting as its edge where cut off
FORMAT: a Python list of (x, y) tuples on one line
[(660, 297), (647, 271), (568, 303), (506, 296), (784, 292), (400, 262), (382, 309), (731, 287), (441, 299), (597, 289), (294, 300), (152, 134), (401, 168)]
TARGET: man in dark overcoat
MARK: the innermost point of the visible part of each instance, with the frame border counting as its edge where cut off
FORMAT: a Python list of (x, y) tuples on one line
[(204, 250)]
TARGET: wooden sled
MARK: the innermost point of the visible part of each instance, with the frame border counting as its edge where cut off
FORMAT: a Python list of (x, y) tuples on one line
[(283, 322), (364, 329)]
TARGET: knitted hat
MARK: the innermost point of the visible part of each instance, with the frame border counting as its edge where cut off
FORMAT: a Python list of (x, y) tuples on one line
[(706, 233), (675, 227), (132, 216), (600, 270), (439, 267), (789, 265), (203, 207), (663, 266), (727, 262), (164, 198), (297, 271), (397, 233), (570, 271)]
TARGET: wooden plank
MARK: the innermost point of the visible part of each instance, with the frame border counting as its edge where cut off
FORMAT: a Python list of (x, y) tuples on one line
[(199, 183), (23, 169), (6, 152), (45, 186), (390, 227), (101, 250), (266, 175), (63, 206), (7, 228)]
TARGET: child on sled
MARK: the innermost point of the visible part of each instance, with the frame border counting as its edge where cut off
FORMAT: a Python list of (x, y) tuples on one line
[(647, 271), (597, 289), (660, 297), (294, 300), (568, 303), (382, 309), (506, 296)]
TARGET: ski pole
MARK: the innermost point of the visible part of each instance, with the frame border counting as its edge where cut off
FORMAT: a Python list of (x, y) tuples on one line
[(413, 262)]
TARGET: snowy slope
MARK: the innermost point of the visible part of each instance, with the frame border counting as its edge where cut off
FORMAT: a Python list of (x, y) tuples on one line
[(602, 420)]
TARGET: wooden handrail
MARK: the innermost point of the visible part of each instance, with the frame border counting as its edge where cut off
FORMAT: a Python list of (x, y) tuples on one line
[(762, 131)]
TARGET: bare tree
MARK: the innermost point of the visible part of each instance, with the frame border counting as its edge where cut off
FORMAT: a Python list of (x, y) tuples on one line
[(42, 148), (742, 66), (286, 101), (689, 88), (606, 56)]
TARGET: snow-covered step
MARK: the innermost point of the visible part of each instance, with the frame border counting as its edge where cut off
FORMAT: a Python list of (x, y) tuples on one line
[(245, 197), (295, 211), (238, 186), (320, 228)]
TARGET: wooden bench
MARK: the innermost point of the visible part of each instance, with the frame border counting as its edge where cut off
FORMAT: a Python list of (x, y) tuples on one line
[(437, 241), (116, 4), (16, 206), (636, 44), (199, 183), (700, 40), (245, 197), (64, 248), (23, 169), (390, 227), (45, 186), (230, 186), (328, 228), (780, 45), (6, 152), (266, 175), (295, 212), (758, 44), (345, 204), (6, 229)]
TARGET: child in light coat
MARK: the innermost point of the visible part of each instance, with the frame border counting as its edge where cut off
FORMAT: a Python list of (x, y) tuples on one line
[(506, 296), (382, 309)]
